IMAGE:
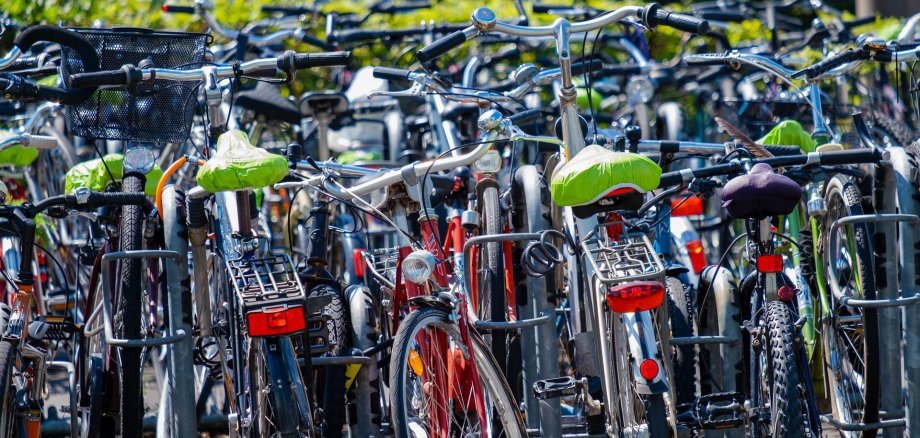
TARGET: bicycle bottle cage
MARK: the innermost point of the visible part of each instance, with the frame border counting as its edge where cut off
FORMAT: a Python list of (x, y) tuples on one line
[(270, 294)]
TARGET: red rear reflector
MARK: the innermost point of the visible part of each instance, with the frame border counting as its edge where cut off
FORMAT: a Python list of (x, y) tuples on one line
[(648, 369), (614, 225), (276, 321), (697, 257), (786, 293), (357, 256), (636, 296), (770, 263), (688, 206)]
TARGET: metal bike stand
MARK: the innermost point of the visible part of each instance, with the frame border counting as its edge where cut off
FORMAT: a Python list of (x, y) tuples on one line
[(902, 298), (546, 364)]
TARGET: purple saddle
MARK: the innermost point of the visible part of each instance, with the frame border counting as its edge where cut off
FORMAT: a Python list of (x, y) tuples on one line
[(760, 194)]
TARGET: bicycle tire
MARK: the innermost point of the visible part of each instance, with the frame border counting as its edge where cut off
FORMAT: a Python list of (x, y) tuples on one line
[(843, 194), (364, 418), (128, 321), (786, 404), (684, 358), (333, 376), (284, 417), (493, 263), (503, 403), (7, 358), (656, 416)]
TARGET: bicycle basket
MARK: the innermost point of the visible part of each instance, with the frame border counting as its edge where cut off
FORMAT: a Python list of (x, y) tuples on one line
[(756, 117), (158, 111)]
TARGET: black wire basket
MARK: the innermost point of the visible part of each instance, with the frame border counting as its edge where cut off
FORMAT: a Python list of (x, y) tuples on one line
[(158, 111)]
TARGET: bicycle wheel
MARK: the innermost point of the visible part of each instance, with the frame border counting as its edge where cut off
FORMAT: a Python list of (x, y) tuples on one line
[(364, 416), (9, 421), (332, 378), (128, 318), (780, 377), (492, 286), (850, 336), (684, 358), (431, 382)]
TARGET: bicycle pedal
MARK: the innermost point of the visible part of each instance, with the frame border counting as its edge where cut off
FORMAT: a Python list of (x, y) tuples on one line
[(720, 410), (555, 388)]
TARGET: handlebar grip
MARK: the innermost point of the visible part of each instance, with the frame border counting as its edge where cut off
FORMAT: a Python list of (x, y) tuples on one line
[(831, 63), (783, 151), (654, 16), (593, 66), (68, 38), (405, 7), (98, 79), (545, 8), (729, 16), (315, 42), (42, 142), (526, 117), (859, 22), (286, 10), (311, 60), (391, 74), (441, 46), (97, 199), (670, 179), (352, 35), (179, 9), (621, 70), (706, 59), (855, 156)]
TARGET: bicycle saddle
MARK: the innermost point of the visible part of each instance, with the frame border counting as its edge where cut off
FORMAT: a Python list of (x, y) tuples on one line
[(761, 193), (239, 165), (604, 180), (333, 103), (266, 101)]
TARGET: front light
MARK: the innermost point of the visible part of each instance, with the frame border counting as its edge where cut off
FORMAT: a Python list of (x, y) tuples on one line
[(640, 90), (491, 162), (418, 266), (139, 158)]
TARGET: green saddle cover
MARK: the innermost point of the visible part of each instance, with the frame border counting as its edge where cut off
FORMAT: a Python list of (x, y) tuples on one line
[(93, 174), (595, 172), (239, 165), (791, 133), (18, 156)]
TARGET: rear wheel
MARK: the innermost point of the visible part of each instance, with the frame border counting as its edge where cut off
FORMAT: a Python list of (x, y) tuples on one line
[(332, 377), (431, 382), (492, 286), (9, 421), (781, 377), (128, 316), (684, 358)]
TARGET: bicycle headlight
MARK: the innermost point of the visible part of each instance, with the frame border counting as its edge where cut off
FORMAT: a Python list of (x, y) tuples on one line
[(491, 162), (139, 158), (418, 266), (640, 90)]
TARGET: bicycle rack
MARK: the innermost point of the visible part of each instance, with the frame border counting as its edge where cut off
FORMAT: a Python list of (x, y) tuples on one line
[(501, 325), (861, 427), (107, 304), (870, 304)]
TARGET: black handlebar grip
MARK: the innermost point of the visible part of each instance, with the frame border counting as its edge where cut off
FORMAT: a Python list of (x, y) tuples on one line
[(859, 22), (404, 7), (594, 66), (98, 79), (353, 35), (68, 38), (730, 16), (310, 60), (622, 70), (855, 156), (441, 46), (286, 10), (783, 151), (391, 74), (526, 117), (97, 200), (706, 59), (654, 16), (315, 42), (178, 9), (831, 63), (545, 8), (670, 179)]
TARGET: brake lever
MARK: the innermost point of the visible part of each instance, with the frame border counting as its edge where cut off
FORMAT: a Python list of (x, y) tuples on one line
[(416, 90)]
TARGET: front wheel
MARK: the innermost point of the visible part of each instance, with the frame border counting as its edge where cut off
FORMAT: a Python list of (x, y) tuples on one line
[(129, 314), (432, 374)]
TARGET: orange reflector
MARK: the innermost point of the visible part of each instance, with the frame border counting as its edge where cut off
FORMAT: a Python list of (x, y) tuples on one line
[(649, 369), (697, 257), (687, 206), (357, 256), (770, 263), (415, 363), (636, 296), (277, 321)]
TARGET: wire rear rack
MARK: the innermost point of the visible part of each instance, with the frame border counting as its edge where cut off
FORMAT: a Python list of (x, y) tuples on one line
[(629, 257), (266, 282)]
